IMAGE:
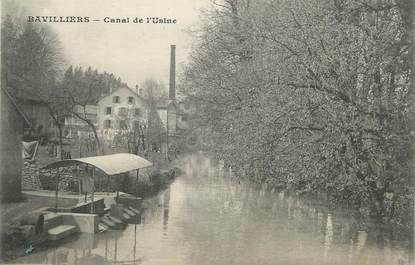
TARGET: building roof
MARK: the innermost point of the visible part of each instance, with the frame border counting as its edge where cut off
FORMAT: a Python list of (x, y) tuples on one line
[(12, 100), (19, 90), (164, 103), (89, 109), (109, 164), (118, 88)]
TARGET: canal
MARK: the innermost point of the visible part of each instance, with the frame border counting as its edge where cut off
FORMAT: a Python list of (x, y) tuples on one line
[(205, 218)]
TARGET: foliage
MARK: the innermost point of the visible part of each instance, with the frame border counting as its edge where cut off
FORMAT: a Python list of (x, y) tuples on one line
[(87, 86), (153, 90), (154, 93), (81, 88), (155, 129), (312, 96), (32, 63)]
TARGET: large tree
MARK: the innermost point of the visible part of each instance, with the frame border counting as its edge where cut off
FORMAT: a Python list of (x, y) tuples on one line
[(32, 62), (310, 96)]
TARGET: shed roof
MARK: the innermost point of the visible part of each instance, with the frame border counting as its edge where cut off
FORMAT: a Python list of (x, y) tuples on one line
[(109, 164)]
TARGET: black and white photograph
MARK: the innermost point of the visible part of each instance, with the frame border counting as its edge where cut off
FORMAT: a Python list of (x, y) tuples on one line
[(207, 132)]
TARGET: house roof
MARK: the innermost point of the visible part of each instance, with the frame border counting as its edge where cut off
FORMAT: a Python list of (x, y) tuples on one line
[(19, 89), (118, 88), (89, 109), (10, 97)]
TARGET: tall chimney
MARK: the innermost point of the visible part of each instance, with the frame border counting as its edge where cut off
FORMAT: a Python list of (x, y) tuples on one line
[(172, 83)]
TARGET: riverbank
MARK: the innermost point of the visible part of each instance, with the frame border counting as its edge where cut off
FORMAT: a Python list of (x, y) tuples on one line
[(12, 234), (206, 218), (156, 182), (13, 241), (386, 208)]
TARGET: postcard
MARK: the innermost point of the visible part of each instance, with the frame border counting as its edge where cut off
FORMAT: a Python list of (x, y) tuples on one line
[(192, 132)]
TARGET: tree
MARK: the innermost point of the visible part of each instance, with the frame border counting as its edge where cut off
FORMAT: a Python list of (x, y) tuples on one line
[(9, 33), (84, 87), (32, 65), (154, 90), (310, 97), (155, 94), (80, 90)]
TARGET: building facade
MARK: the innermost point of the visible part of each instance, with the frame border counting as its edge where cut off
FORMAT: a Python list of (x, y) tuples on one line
[(184, 112), (74, 122), (167, 111), (122, 109)]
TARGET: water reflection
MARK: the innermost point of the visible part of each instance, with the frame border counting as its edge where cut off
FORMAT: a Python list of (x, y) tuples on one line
[(205, 218), (166, 203)]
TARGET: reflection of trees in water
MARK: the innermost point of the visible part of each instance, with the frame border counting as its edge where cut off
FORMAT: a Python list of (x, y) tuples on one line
[(250, 214), (328, 238), (368, 241), (166, 206), (230, 222), (98, 249)]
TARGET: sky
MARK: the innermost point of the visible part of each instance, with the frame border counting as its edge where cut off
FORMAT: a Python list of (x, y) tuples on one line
[(131, 51)]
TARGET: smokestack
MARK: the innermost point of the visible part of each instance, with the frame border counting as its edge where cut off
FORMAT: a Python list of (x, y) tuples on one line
[(136, 89), (172, 83)]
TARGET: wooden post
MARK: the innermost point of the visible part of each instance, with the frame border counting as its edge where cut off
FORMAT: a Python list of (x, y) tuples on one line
[(56, 191), (167, 134), (118, 191), (36, 147), (92, 192), (55, 257), (86, 183), (136, 185), (106, 249), (108, 185), (115, 251), (135, 241), (79, 181)]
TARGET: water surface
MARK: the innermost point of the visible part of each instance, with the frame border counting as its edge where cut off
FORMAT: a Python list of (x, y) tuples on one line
[(204, 218)]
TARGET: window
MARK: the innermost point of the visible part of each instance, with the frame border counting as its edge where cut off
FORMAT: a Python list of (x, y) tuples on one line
[(108, 110), (137, 112), (186, 106), (115, 99), (130, 100), (107, 124), (122, 111), (184, 118)]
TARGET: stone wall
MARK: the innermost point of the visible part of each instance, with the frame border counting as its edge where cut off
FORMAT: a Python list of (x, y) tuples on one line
[(30, 176), (35, 178)]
